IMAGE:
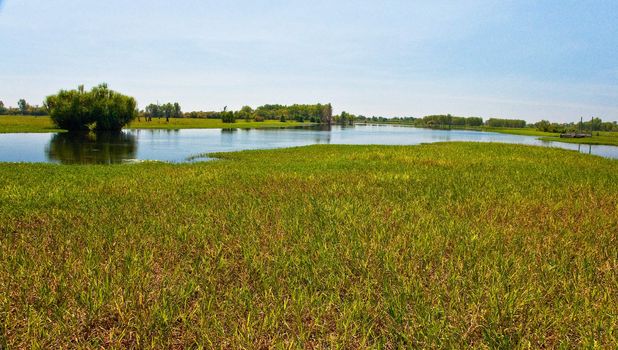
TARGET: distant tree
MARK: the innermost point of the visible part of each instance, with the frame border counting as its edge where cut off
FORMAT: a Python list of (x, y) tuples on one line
[(168, 110), (23, 106), (543, 125), (317, 113), (326, 115), (505, 123), (245, 113), (345, 118), (595, 124), (228, 117), (177, 112), (609, 126), (153, 111), (2, 108), (474, 121)]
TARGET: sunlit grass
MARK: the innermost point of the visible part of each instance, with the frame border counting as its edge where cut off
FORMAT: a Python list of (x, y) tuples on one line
[(20, 123), (598, 138), (195, 123), (26, 123), (448, 245), (519, 131)]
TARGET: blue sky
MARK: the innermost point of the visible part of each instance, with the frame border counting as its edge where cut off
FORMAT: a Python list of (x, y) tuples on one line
[(554, 60)]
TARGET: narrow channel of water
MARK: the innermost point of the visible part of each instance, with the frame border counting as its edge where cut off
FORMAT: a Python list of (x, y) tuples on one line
[(192, 144)]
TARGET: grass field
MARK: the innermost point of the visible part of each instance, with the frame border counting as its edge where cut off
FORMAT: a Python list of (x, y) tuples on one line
[(20, 123), (194, 123), (447, 245), (513, 131), (603, 138), (599, 138), (519, 131), (26, 123)]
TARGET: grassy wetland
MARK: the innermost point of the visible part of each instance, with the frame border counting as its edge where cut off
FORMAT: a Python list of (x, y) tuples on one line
[(203, 123), (446, 245), (609, 138), (25, 123), (598, 138)]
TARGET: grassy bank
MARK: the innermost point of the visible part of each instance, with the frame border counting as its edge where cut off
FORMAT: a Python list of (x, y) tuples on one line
[(20, 123), (194, 123), (432, 246), (519, 131), (26, 123), (598, 138)]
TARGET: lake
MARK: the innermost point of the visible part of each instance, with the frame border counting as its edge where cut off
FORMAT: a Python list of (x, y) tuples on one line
[(194, 144)]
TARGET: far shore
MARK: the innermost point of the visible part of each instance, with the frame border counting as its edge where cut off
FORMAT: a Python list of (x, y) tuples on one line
[(42, 124)]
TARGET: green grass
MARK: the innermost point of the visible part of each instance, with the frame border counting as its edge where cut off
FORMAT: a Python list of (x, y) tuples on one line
[(19, 124), (449, 245), (195, 123), (603, 138), (520, 131), (26, 123), (598, 138)]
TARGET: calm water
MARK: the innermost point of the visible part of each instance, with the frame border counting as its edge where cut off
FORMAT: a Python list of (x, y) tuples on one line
[(194, 144)]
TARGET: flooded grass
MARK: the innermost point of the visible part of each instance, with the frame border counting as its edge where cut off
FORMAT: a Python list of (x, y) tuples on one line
[(443, 245)]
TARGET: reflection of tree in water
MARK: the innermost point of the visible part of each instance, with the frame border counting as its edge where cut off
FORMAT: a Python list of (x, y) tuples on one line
[(322, 127), (91, 148)]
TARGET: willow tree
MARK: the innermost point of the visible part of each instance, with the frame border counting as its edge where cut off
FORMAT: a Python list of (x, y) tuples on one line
[(101, 108)]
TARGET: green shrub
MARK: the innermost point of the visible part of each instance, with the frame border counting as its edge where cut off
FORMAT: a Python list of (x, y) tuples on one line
[(79, 110), (228, 117)]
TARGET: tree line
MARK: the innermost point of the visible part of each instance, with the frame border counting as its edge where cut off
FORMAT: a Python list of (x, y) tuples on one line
[(65, 102), (505, 123), (315, 113), (166, 110), (23, 108), (441, 121), (430, 121), (594, 124)]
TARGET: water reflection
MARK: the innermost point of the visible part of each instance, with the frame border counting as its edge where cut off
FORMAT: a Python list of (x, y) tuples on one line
[(320, 127), (582, 148), (92, 148), (194, 144)]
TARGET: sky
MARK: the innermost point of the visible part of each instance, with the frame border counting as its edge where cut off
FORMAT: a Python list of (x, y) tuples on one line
[(543, 59)]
